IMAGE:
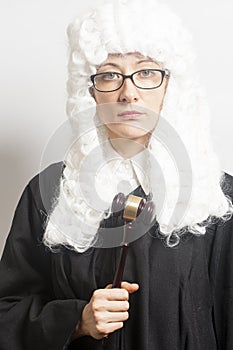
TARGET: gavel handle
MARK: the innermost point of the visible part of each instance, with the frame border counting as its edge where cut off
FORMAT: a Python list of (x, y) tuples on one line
[(118, 275), (120, 268)]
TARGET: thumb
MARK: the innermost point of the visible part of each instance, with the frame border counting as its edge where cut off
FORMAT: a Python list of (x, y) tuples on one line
[(130, 287)]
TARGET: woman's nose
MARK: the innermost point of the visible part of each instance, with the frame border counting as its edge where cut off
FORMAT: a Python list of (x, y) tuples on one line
[(128, 92)]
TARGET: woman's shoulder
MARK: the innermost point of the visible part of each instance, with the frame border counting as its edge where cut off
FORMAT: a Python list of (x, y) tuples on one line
[(44, 186), (227, 184)]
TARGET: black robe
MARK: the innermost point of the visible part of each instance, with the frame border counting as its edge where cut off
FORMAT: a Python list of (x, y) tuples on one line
[(185, 299)]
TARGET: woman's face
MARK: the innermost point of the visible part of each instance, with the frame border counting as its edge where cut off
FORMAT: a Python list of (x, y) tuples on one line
[(129, 112)]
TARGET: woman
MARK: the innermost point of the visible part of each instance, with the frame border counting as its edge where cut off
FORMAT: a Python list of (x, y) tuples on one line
[(136, 105)]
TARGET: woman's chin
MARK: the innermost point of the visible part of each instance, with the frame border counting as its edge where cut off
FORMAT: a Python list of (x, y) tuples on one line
[(127, 132)]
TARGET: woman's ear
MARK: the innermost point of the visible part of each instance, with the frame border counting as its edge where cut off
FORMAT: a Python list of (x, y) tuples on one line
[(91, 91)]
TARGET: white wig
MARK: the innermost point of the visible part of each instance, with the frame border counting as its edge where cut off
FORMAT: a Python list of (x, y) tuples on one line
[(152, 29)]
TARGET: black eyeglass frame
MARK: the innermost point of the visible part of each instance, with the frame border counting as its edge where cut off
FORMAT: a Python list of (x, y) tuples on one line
[(164, 72)]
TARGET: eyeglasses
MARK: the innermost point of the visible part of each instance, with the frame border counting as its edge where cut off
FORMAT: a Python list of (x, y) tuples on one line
[(143, 79)]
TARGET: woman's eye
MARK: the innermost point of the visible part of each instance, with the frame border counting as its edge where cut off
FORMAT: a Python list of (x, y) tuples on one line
[(110, 76), (146, 73)]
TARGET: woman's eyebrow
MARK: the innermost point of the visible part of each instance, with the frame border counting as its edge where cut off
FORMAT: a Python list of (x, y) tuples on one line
[(148, 60), (109, 64)]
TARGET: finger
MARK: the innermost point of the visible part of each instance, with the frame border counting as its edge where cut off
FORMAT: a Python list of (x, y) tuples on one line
[(109, 328), (117, 306), (130, 287), (109, 286), (112, 317), (111, 294)]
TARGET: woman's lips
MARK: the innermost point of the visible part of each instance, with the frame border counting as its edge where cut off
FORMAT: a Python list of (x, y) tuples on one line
[(132, 114)]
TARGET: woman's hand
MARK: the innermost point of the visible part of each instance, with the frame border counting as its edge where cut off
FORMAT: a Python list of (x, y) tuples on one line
[(106, 311)]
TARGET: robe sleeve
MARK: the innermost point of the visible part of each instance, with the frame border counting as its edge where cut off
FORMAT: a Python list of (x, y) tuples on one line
[(30, 315), (223, 292)]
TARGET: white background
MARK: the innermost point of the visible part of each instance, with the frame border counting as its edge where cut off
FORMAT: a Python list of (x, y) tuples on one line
[(33, 81)]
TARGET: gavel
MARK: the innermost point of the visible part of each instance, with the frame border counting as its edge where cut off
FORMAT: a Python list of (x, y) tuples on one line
[(132, 206)]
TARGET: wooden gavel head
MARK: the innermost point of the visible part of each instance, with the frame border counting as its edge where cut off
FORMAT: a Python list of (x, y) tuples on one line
[(132, 206)]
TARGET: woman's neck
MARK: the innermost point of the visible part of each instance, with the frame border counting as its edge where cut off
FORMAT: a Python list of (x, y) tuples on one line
[(128, 148)]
